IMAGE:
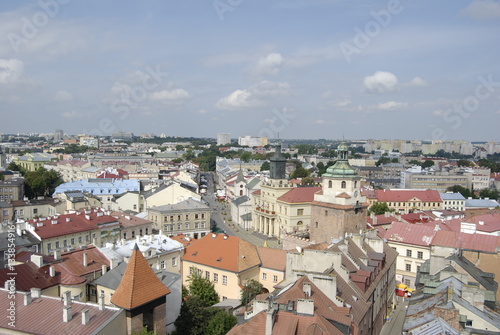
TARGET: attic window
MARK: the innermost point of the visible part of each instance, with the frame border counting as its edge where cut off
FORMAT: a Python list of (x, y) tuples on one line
[(195, 253), (220, 259)]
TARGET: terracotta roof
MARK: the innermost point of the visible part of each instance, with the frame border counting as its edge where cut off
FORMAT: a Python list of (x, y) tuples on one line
[(139, 284), (44, 316), (182, 239), (72, 262), (129, 220), (343, 195), (487, 223), (407, 195), (408, 233), (223, 252), (28, 276), (272, 258), (477, 242), (299, 195)]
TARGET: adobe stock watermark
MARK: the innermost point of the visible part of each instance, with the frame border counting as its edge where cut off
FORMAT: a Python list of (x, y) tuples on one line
[(373, 28), (126, 101), (456, 114), (30, 27), (223, 6), (277, 123), (10, 283)]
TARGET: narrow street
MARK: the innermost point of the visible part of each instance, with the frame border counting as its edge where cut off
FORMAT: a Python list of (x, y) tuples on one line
[(221, 212)]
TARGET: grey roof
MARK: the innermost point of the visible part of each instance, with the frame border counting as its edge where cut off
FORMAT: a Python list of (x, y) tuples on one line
[(112, 278), (240, 200), (12, 182), (451, 196), (435, 327), (240, 178), (252, 183), (483, 278), (481, 203), (246, 217), (188, 204), (232, 303)]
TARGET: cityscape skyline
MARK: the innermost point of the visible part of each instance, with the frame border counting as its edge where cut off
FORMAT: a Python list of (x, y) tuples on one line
[(287, 69)]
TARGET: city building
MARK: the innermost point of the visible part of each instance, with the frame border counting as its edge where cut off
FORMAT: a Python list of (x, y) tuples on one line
[(189, 217), (12, 189), (32, 161), (223, 138), (455, 201), (408, 200), (89, 141), (58, 135), (250, 141)]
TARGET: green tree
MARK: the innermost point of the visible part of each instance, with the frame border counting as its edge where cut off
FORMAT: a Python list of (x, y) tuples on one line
[(41, 182), (179, 147), (177, 160), (202, 288), (462, 190), (300, 173), (194, 317), (266, 166), (383, 160), (427, 164), (250, 291), (464, 162), (379, 208), (221, 323), (487, 193), (14, 167), (307, 180), (246, 156), (415, 162)]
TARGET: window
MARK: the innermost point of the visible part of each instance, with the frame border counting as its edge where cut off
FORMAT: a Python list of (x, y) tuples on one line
[(178, 226), (162, 264), (343, 184), (133, 233), (187, 216), (300, 211), (150, 253), (135, 207), (178, 217), (191, 270), (171, 218), (216, 278), (225, 298), (275, 279), (49, 247), (407, 282), (418, 268), (420, 254), (202, 215), (408, 253), (58, 244), (174, 261), (140, 232), (224, 280), (329, 184), (316, 224), (264, 276), (65, 243), (80, 239), (196, 216), (187, 225), (207, 275), (408, 267), (326, 213), (124, 236), (73, 241)]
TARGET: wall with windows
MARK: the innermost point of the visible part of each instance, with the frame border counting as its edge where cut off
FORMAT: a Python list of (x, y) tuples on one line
[(408, 263), (270, 277)]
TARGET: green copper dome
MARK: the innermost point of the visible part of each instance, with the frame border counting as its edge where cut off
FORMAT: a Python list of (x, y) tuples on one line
[(341, 168)]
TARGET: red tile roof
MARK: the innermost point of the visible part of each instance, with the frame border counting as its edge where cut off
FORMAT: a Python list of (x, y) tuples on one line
[(129, 220), (72, 262), (272, 258), (139, 284), (225, 252), (407, 195), (299, 195), (478, 242), (44, 316), (487, 223), (28, 276), (409, 233)]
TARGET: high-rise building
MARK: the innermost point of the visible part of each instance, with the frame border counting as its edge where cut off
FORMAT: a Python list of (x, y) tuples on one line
[(58, 135), (250, 141), (223, 138)]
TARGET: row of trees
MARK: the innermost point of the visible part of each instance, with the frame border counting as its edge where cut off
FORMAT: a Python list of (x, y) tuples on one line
[(41, 182)]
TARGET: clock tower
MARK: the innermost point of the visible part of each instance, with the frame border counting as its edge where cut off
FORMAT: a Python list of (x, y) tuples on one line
[(339, 207)]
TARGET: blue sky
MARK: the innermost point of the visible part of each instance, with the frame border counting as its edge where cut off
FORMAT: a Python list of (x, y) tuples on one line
[(297, 68)]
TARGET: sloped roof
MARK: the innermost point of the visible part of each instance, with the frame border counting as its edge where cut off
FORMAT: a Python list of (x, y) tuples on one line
[(139, 284), (487, 222), (28, 276), (272, 258), (72, 262), (299, 195), (478, 242), (406, 195), (225, 252), (409, 233), (240, 200)]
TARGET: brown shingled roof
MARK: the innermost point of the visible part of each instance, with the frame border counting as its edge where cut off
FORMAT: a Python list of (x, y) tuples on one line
[(139, 284), (299, 195), (272, 258)]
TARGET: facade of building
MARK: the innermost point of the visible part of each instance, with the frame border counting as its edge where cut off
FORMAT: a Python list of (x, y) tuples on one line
[(249, 141), (34, 160), (223, 138), (12, 189), (406, 201), (189, 217), (454, 201)]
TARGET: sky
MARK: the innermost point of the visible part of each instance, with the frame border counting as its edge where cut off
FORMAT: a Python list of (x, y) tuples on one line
[(409, 69)]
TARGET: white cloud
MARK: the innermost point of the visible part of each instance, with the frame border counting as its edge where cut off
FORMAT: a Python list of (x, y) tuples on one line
[(319, 122), (173, 95), (391, 105), (438, 112), (254, 96), (417, 81), (11, 70), (270, 65), (63, 96), (380, 82), (482, 9), (202, 111)]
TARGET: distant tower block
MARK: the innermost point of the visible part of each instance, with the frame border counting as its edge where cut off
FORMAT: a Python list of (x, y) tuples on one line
[(223, 138), (58, 135)]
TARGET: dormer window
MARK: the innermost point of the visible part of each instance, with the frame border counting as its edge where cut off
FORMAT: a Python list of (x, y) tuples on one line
[(343, 184)]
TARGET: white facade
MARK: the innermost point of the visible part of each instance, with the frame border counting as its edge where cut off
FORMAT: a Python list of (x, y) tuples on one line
[(223, 138)]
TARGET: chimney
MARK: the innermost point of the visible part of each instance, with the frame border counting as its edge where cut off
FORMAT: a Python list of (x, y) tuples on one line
[(57, 255), (270, 321), (67, 298), (85, 259), (27, 298), (85, 316), (138, 238), (36, 292), (67, 316), (113, 264), (306, 288), (225, 237), (101, 301), (104, 269), (305, 307), (68, 219), (52, 271), (37, 259)]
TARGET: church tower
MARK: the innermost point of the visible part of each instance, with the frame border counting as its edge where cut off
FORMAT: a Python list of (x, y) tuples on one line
[(339, 207), (277, 164)]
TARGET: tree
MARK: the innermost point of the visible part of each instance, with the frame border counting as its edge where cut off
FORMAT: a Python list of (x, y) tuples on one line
[(14, 167), (379, 208), (427, 164), (415, 162), (246, 156), (221, 323), (300, 173), (464, 162), (307, 180), (487, 193), (462, 190), (203, 289), (383, 160), (41, 182), (250, 291), (266, 166), (194, 317)]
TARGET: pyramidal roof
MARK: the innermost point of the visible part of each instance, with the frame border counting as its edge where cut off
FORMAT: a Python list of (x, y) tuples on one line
[(139, 284)]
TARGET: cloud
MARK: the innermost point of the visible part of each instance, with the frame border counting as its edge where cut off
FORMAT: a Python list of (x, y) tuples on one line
[(482, 9), (202, 111), (63, 96), (254, 96), (319, 122), (391, 105), (270, 65), (11, 71), (380, 82), (417, 81), (173, 95)]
